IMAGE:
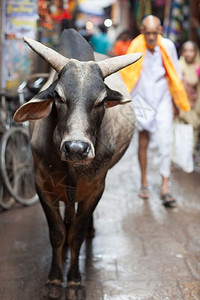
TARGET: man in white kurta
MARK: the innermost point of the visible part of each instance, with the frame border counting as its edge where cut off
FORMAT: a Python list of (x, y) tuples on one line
[(153, 106), (153, 91)]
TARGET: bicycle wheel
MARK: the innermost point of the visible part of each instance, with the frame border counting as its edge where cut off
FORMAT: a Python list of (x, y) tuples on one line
[(17, 165), (6, 200)]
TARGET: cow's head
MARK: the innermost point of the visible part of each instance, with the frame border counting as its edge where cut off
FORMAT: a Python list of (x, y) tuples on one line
[(78, 99)]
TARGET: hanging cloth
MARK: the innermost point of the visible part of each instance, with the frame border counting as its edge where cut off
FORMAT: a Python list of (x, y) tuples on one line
[(144, 9)]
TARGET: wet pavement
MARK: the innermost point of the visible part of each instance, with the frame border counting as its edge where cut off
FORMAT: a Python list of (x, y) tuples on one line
[(141, 251)]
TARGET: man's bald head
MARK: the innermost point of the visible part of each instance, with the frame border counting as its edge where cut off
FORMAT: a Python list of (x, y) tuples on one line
[(151, 27), (151, 21)]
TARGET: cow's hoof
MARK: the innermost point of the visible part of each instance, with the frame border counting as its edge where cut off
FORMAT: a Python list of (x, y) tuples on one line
[(52, 291), (75, 291)]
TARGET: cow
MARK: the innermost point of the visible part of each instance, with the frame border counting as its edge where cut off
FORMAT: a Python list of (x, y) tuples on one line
[(81, 123)]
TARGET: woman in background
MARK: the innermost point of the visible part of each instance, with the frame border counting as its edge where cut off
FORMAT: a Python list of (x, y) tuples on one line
[(189, 63)]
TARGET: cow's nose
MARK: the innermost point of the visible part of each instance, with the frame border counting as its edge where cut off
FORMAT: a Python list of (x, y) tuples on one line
[(76, 150)]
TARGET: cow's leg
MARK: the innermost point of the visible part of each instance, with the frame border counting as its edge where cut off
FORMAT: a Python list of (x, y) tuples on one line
[(90, 232), (68, 219), (57, 232), (76, 236)]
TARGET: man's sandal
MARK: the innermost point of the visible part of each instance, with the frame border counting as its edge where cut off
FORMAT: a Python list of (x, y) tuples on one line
[(168, 200), (144, 192)]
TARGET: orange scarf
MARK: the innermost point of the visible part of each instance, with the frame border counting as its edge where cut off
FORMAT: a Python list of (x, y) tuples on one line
[(131, 73)]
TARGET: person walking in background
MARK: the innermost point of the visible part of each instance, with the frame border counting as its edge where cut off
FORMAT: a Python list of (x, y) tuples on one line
[(100, 41), (152, 82), (122, 43), (189, 64)]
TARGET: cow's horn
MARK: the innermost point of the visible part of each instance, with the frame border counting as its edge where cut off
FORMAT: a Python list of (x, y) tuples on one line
[(114, 64), (56, 60)]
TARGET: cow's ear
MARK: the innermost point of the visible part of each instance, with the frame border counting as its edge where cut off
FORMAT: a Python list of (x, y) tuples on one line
[(38, 107), (35, 109), (114, 98)]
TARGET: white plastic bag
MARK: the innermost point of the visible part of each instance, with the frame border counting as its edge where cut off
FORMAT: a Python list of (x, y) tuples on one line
[(182, 146)]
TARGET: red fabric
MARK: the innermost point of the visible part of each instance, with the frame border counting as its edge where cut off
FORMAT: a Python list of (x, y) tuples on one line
[(120, 47), (64, 14)]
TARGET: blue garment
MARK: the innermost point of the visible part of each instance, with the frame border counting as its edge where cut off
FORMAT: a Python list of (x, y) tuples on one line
[(100, 43)]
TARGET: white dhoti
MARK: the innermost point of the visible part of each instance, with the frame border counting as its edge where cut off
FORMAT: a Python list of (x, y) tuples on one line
[(160, 127), (162, 137)]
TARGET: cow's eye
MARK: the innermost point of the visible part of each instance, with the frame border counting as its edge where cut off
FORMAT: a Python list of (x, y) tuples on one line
[(99, 104), (57, 97)]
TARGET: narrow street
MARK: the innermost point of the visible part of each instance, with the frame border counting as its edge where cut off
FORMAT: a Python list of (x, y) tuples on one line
[(141, 250)]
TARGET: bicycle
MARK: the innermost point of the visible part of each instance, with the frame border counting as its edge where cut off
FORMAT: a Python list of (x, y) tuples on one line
[(16, 163)]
